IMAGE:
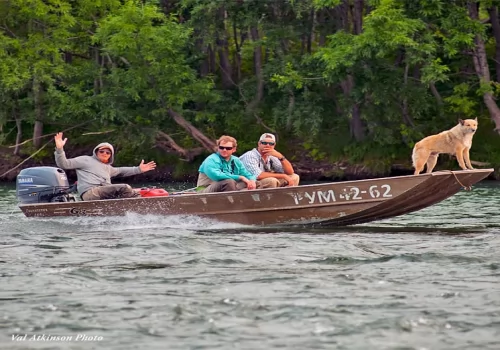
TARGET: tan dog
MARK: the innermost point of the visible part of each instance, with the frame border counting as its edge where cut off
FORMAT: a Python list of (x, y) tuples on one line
[(457, 141)]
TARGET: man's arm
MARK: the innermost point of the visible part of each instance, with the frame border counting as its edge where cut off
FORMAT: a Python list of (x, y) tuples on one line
[(245, 175), (242, 170), (283, 164), (133, 170), (60, 156), (281, 169), (67, 164), (287, 166), (213, 170), (124, 171)]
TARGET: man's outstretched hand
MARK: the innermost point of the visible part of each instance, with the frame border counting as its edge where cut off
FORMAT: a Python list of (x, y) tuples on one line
[(147, 166), (60, 142)]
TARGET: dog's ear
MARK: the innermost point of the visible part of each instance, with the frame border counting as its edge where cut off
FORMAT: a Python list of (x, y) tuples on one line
[(475, 119), (461, 121)]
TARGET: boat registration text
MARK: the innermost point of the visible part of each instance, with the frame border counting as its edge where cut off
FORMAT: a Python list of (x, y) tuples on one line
[(350, 193)]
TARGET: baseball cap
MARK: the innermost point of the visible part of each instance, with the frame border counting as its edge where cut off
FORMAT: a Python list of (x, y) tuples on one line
[(267, 136)]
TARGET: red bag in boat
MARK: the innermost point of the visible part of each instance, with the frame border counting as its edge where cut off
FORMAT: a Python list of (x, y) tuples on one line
[(153, 192)]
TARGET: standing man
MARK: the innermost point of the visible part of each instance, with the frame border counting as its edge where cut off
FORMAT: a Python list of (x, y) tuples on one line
[(222, 172), (94, 172), (269, 166)]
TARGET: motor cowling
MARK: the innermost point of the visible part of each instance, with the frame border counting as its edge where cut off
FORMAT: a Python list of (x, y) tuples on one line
[(43, 184)]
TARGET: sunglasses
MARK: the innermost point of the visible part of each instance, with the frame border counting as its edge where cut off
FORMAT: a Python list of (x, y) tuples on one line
[(104, 151), (226, 148), (267, 143)]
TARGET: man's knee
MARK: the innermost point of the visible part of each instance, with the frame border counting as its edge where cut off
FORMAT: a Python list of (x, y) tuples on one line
[(91, 195), (110, 192), (296, 179), (221, 186), (240, 185), (268, 182), (227, 185), (126, 191)]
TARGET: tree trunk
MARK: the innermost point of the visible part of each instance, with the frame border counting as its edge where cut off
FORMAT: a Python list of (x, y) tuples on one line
[(284, 46), (38, 102), (482, 70), (257, 64), (436, 94), (237, 52), (223, 51), (167, 6), (312, 29), (321, 23), (19, 136), (225, 65), (303, 40), (201, 47), (357, 126), (495, 27), (206, 142), (291, 106), (407, 119), (166, 142), (68, 57), (400, 56), (212, 60), (95, 52), (355, 122), (342, 16), (357, 16)]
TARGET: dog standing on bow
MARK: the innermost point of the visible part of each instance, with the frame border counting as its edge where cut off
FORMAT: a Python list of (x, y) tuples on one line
[(457, 141)]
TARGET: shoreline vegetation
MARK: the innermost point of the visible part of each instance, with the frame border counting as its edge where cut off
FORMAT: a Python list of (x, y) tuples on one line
[(348, 87), (308, 169), (169, 171)]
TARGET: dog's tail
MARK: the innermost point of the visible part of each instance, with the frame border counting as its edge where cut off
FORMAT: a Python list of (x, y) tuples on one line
[(414, 156)]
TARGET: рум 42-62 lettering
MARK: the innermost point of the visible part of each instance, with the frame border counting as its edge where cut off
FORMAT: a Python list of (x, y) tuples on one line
[(351, 193)]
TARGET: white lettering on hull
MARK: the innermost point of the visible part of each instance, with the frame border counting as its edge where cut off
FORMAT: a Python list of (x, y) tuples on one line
[(350, 193), (326, 197), (256, 197)]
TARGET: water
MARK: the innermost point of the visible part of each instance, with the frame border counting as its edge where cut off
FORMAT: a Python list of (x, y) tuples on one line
[(427, 280)]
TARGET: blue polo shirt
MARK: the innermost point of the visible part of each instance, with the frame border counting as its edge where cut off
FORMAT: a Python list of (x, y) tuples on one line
[(217, 168)]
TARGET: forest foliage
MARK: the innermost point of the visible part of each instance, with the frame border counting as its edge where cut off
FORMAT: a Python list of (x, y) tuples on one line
[(337, 80)]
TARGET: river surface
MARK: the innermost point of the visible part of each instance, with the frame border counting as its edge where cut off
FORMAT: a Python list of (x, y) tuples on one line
[(426, 280)]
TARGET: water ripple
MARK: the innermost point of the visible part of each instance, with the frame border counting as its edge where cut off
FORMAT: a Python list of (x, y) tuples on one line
[(426, 280)]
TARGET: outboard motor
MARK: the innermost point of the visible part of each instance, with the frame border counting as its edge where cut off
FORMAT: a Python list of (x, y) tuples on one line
[(43, 184)]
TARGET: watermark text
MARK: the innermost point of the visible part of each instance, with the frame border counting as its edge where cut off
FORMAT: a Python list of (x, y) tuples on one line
[(80, 337)]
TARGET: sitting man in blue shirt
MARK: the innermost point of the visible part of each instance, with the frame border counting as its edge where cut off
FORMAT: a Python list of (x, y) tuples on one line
[(269, 166), (222, 172)]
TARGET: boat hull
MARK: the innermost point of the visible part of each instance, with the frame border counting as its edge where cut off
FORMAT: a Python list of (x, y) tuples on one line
[(327, 204)]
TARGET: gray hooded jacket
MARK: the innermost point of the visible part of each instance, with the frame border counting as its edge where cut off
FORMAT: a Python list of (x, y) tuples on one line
[(91, 172)]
